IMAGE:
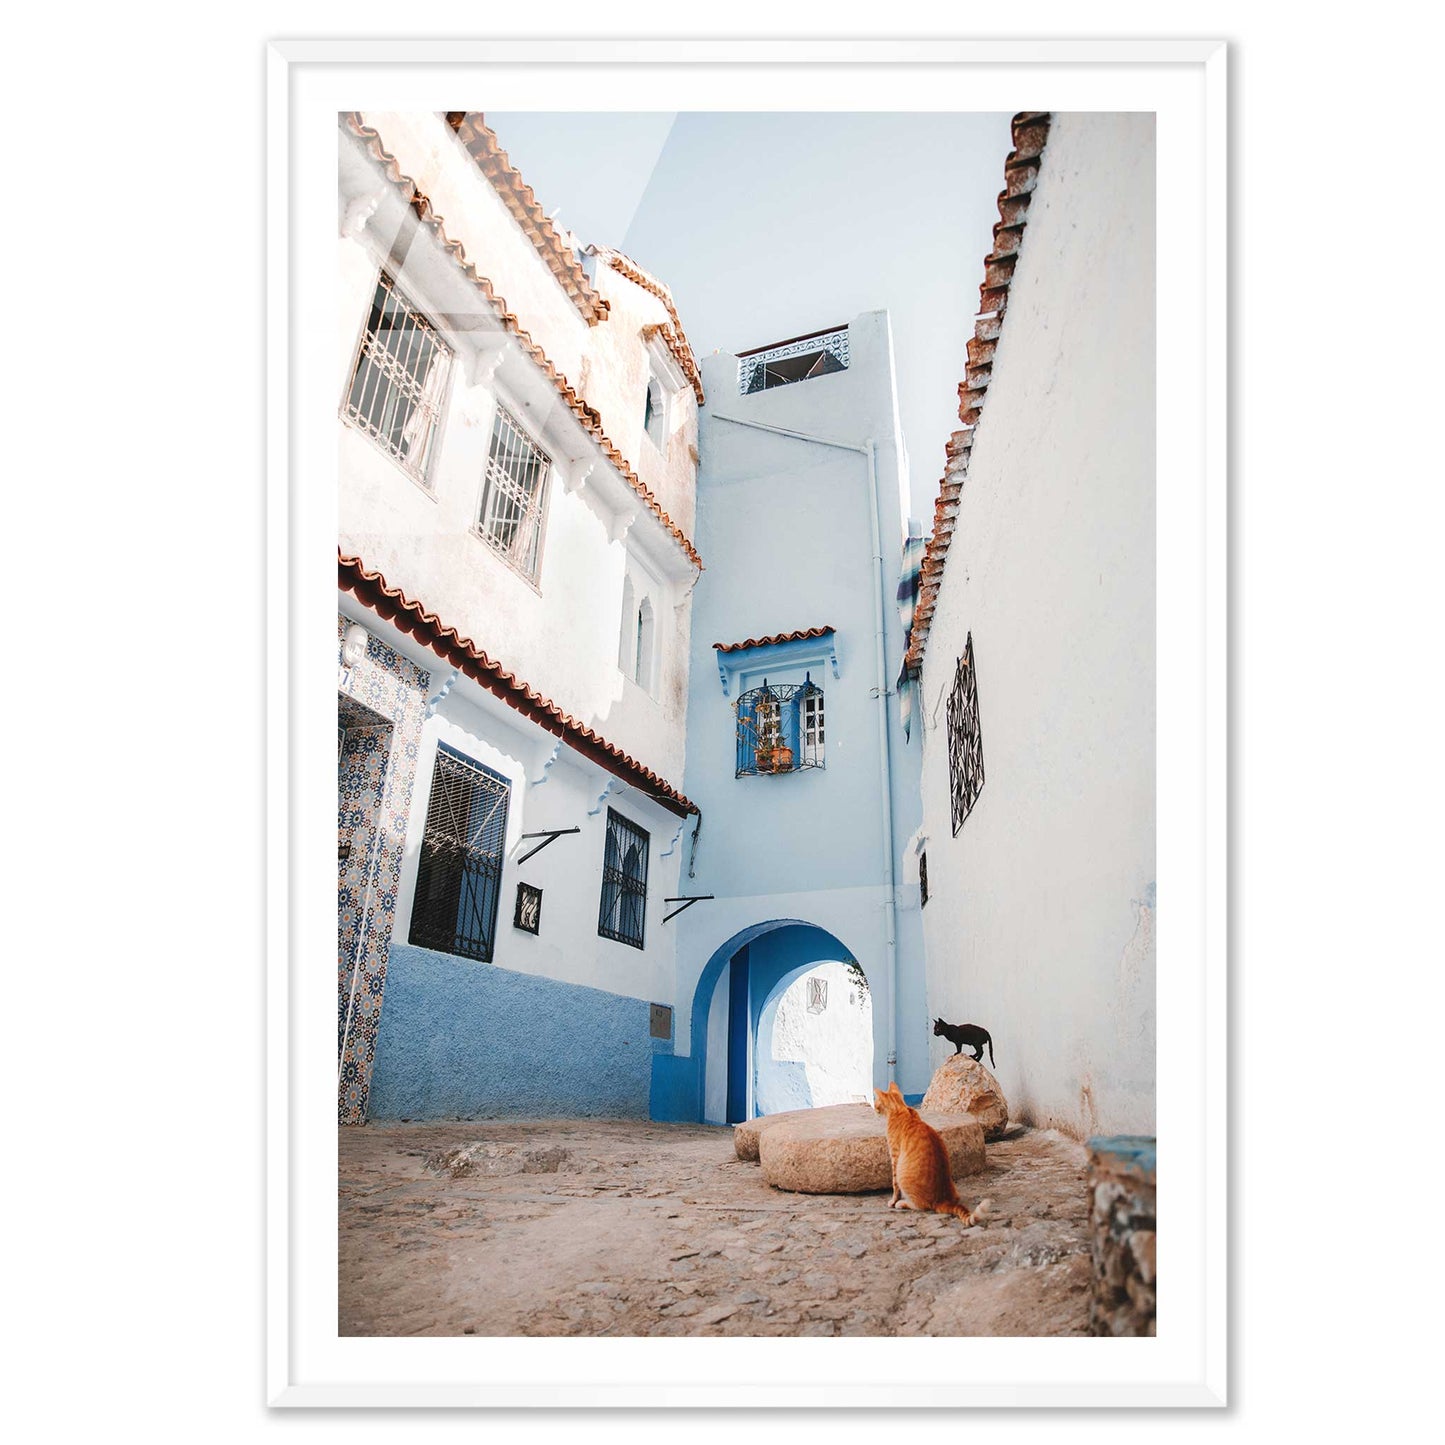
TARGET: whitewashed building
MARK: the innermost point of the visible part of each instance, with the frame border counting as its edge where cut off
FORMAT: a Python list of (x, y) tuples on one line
[(1035, 635), (518, 451)]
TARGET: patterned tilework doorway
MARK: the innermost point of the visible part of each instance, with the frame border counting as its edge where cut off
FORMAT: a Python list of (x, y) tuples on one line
[(381, 704)]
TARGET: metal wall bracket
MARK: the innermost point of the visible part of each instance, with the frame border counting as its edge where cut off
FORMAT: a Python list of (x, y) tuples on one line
[(686, 904), (550, 834)]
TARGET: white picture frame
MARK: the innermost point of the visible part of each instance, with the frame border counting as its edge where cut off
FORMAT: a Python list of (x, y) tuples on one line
[(1184, 83)]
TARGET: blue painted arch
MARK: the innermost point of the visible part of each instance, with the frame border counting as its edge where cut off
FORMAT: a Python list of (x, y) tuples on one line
[(777, 952)]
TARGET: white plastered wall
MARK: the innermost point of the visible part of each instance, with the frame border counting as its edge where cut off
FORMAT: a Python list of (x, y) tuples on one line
[(1040, 921)]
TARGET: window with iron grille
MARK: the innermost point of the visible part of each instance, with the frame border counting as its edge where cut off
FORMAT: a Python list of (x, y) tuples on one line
[(817, 995), (965, 740), (779, 728), (623, 911), (922, 879), (514, 494), (459, 877), (399, 381)]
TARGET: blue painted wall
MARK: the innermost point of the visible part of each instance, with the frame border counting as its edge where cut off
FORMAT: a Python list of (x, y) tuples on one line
[(461, 1039)]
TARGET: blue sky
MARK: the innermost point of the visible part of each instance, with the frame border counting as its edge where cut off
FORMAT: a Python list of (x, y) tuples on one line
[(770, 225)]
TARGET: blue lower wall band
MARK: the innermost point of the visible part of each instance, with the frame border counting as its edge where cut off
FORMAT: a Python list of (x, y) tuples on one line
[(463, 1039)]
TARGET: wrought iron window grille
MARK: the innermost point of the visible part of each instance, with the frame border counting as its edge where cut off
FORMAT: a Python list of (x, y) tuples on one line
[(780, 728), (817, 995), (514, 495), (798, 360), (459, 875), (965, 739), (622, 913), (398, 382)]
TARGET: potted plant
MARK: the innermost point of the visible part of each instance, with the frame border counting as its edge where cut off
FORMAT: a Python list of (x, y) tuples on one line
[(773, 754)]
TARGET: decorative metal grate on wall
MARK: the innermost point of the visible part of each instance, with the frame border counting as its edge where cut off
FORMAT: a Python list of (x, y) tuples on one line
[(459, 876), (780, 728), (817, 995), (797, 360), (965, 740), (399, 379), (622, 914)]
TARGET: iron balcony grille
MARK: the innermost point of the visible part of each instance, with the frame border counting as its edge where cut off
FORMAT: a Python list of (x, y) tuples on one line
[(965, 740), (798, 360), (459, 876), (780, 728), (399, 380), (622, 914), (514, 495)]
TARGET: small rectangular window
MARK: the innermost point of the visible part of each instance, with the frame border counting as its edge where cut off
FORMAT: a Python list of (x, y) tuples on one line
[(514, 494), (813, 726), (622, 913), (817, 995), (654, 418), (459, 876), (922, 879), (399, 381)]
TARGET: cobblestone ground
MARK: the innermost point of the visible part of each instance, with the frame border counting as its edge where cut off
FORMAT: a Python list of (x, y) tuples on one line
[(581, 1227)]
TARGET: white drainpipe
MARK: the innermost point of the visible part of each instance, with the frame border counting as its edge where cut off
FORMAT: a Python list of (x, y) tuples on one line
[(870, 451)]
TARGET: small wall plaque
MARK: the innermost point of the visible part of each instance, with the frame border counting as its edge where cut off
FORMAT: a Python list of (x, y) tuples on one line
[(528, 916), (661, 1021)]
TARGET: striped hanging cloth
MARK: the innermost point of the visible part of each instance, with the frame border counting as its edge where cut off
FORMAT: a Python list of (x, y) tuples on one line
[(908, 583)]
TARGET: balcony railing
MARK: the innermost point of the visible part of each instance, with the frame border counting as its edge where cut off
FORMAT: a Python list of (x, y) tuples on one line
[(799, 359), (779, 728)]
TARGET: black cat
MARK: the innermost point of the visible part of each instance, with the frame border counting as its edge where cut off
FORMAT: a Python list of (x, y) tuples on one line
[(960, 1034)]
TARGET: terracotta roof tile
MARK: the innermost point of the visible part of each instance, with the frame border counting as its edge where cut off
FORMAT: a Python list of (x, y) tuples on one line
[(390, 603), (585, 414), (676, 338), (482, 145), (1021, 172), (777, 637)]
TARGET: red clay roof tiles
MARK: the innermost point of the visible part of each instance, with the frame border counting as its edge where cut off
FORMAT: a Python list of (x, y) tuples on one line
[(482, 145), (373, 591), (675, 337), (1021, 171), (777, 637)]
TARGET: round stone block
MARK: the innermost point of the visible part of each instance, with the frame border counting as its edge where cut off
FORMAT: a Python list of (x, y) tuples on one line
[(745, 1135), (844, 1149)]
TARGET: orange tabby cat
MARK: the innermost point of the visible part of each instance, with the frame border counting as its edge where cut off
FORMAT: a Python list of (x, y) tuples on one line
[(920, 1162)]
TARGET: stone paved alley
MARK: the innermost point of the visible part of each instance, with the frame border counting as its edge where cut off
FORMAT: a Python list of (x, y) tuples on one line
[(584, 1227)]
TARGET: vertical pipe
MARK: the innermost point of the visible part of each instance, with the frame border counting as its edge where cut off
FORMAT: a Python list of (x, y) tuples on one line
[(890, 906)]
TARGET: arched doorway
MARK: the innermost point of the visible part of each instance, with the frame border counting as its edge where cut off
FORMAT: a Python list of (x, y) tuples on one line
[(815, 1040), (748, 975)]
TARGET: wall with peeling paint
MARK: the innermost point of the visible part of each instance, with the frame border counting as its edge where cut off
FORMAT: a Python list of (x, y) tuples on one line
[(1041, 913)]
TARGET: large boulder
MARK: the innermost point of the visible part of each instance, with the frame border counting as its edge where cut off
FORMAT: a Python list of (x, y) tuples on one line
[(964, 1086), (843, 1149)]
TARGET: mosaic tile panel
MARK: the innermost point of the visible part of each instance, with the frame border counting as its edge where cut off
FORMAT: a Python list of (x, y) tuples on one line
[(360, 784), (381, 704)]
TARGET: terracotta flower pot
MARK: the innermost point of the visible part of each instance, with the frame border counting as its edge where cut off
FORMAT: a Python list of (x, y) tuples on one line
[(775, 760)]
